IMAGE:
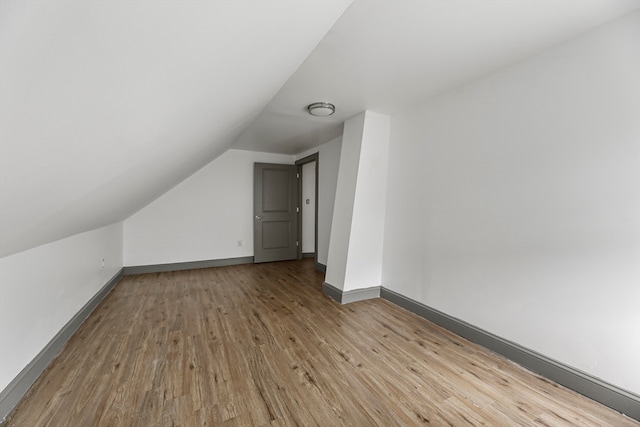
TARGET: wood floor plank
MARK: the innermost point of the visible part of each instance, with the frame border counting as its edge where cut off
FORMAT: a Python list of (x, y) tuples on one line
[(260, 345)]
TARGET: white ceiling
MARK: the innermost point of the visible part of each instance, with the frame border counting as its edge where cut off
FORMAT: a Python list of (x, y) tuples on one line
[(105, 105), (387, 56)]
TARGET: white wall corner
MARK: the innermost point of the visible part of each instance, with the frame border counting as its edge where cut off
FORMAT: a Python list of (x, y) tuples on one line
[(357, 234)]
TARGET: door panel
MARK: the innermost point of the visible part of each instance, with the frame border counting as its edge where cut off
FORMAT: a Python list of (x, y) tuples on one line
[(275, 190), (275, 234), (275, 212)]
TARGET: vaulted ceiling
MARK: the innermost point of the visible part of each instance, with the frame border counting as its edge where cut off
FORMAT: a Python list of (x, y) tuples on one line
[(105, 105)]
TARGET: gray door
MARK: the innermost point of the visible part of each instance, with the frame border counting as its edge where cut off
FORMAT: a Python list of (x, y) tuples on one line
[(275, 228)]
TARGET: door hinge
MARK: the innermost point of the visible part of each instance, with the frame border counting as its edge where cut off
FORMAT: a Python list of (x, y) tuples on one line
[(297, 175), (297, 243), (297, 209)]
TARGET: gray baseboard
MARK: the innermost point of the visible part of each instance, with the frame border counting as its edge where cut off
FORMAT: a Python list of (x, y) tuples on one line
[(321, 267), (332, 292), (350, 296), (11, 395), (308, 255), (191, 265), (608, 394), (594, 388)]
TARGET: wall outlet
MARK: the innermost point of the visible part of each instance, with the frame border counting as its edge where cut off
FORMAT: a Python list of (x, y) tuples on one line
[(102, 262), (239, 243)]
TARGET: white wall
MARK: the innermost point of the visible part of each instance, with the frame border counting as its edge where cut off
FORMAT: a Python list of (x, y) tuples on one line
[(344, 200), (328, 164), (514, 203), (308, 210), (42, 288), (364, 263), (202, 218), (356, 248)]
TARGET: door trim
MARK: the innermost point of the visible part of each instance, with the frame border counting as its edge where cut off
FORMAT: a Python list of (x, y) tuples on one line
[(299, 163)]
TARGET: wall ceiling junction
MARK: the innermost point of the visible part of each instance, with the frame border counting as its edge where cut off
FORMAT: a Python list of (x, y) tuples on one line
[(389, 56), (106, 105)]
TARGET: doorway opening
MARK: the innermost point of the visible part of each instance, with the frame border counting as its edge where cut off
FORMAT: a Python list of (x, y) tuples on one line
[(308, 213)]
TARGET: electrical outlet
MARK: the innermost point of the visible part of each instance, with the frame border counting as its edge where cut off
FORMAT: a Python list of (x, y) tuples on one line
[(102, 262), (239, 243)]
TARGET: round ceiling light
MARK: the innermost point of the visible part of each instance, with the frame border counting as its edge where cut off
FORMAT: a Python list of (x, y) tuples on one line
[(321, 109)]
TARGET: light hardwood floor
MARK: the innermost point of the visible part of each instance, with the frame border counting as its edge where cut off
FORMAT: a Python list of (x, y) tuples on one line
[(260, 345)]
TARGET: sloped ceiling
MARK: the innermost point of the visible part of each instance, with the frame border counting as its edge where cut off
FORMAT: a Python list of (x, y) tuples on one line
[(387, 56), (105, 105)]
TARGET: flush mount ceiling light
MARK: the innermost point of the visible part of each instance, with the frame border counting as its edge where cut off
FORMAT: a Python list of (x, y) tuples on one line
[(321, 109)]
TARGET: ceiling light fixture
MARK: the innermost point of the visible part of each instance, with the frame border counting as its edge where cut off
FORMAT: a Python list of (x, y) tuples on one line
[(321, 109)]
